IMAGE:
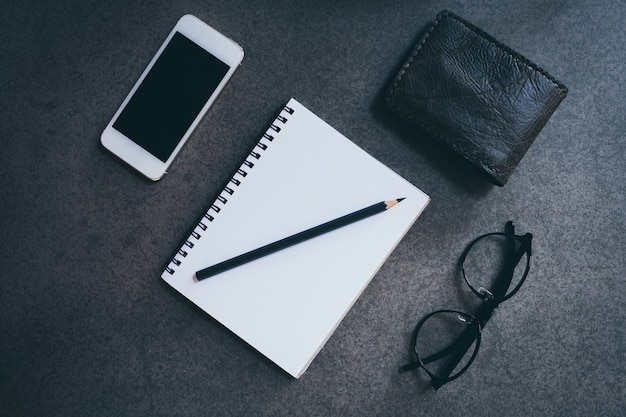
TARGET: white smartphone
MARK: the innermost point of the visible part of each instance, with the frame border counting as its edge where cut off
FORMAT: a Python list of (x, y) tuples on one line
[(168, 101)]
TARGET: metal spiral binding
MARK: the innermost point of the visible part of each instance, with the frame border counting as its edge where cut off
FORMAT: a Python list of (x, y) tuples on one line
[(255, 154)]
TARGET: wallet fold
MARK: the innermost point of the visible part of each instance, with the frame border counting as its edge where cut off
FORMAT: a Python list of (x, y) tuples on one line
[(475, 95)]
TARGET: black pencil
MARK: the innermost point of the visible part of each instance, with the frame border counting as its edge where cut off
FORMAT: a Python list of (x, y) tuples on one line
[(297, 238)]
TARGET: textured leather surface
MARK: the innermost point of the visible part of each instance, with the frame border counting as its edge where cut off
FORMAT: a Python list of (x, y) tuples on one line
[(480, 98)]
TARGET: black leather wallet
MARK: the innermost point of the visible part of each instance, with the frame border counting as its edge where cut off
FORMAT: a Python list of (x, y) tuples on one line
[(477, 96)]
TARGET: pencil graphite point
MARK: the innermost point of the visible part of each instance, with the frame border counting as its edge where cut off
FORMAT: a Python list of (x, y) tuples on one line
[(391, 203)]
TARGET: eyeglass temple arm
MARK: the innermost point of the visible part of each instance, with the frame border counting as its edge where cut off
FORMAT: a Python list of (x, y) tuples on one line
[(503, 282), (435, 356), (461, 345), (517, 247)]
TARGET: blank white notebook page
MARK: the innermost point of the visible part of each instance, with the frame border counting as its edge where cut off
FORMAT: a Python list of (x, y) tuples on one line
[(287, 304)]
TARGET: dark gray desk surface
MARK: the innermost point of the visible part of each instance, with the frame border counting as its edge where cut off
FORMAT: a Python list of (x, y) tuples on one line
[(88, 329)]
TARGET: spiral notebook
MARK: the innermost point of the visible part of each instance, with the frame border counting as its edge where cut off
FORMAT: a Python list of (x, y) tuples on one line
[(301, 173)]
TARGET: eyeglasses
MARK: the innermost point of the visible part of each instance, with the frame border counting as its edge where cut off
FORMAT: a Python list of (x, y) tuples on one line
[(446, 342)]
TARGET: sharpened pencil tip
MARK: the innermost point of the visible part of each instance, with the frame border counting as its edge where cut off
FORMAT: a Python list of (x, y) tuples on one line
[(391, 203)]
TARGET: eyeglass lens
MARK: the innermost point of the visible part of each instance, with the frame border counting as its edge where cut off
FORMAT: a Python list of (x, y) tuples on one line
[(491, 266), (446, 343)]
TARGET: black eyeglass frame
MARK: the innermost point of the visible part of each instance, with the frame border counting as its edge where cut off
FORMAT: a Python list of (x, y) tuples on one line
[(490, 301)]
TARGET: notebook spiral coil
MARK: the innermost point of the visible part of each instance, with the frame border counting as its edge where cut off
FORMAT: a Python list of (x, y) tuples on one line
[(230, 189)]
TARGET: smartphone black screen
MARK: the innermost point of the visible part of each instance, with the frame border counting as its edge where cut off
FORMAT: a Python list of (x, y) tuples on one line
[(171, 96)]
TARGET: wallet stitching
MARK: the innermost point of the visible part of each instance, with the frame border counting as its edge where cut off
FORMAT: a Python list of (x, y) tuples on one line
[(511, 53), (409, 61)]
